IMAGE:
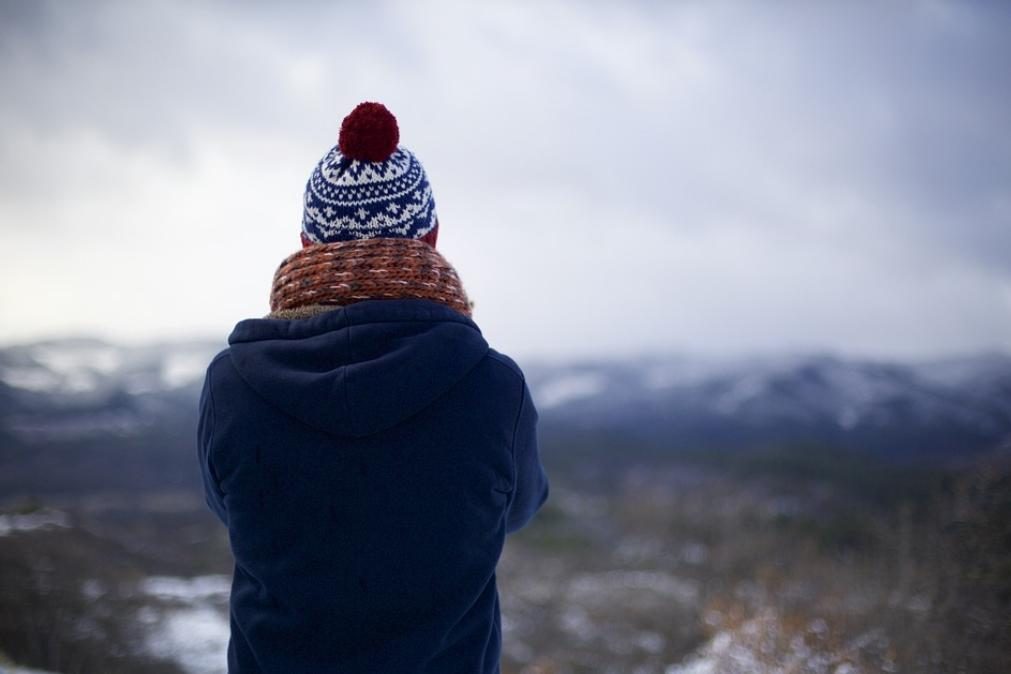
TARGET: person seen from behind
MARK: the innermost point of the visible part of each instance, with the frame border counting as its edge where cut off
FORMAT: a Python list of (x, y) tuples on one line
[(365, 447)]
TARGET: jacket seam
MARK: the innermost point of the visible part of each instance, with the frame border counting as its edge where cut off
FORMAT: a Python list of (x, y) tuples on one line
[(267, 402), (514, 369), (512, 444), (507, 363), (329, 432), (210, 440)]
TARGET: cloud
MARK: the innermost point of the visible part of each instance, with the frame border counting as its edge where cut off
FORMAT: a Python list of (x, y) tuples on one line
[(612, 178)]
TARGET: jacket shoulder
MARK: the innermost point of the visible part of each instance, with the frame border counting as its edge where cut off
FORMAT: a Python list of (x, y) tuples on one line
[(216, 362), (506, 363), (220, 372)]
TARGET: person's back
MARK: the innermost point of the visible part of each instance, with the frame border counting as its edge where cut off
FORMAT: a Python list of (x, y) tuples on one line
[(366, 448)]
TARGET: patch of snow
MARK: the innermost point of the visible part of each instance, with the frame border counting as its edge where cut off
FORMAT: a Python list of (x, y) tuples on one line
[(569, 387), (139, 383), (102, 358), (651, 642), (184, 367), (42, 519), (606, 585), (105, 422), (761, 645), (192, 629), (708, 661), (744, 389), (187, 589), (578, 504), (93, 588), (576, 622), (196, 638), (80, 367), (84, 366), (28, 378)]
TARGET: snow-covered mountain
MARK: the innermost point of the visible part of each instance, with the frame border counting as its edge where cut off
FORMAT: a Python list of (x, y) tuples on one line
[(956, 404), (78, 388), (86, 367)]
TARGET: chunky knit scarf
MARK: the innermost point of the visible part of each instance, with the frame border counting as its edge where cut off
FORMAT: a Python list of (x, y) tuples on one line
[(320, 276)]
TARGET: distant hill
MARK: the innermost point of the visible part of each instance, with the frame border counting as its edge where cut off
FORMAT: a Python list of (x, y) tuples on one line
[(956, 405), (81, 414)]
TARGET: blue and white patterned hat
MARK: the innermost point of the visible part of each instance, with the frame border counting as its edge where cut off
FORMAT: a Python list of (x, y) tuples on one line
[(367, 186)]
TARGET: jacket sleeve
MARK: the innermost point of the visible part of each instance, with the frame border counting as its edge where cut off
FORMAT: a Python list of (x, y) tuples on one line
[(530, 487), (213, 494)]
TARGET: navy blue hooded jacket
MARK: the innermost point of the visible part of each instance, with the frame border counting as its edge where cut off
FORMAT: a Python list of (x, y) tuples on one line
[(368, 463)]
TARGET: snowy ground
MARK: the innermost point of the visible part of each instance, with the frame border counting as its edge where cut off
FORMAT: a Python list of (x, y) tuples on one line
[(189, 622), (756, 647)]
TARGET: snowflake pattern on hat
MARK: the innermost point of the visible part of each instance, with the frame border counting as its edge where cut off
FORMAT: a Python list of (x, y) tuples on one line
[(348, 199)]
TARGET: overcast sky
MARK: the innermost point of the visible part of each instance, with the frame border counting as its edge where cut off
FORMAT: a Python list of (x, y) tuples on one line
[(610, 178)]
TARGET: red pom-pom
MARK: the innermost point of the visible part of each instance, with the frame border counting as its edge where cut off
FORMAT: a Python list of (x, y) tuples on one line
[(369, 133)]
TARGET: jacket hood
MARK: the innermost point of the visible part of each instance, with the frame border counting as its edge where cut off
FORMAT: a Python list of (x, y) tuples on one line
[(359, 369)]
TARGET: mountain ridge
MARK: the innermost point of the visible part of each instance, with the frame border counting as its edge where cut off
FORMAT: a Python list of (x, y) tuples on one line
[(59, 389)]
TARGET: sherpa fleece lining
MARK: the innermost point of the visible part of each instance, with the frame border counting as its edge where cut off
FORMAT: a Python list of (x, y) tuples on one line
[(306, 311)]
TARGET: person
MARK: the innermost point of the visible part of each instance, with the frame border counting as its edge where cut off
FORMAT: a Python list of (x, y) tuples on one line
[(365, 447)]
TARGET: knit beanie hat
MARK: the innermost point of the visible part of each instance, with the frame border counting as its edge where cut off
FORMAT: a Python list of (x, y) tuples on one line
[(367, 186)]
